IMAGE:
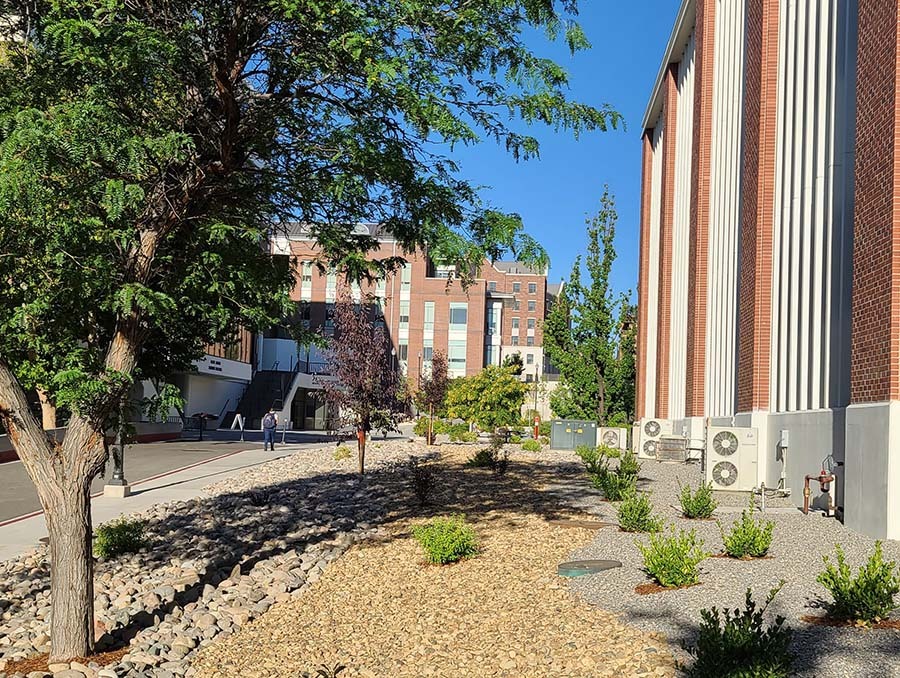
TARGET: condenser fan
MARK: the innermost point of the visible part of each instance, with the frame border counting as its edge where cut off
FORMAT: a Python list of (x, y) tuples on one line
[(611, 439), (724, 473), (725, 443), (650, 448), (651, 428)]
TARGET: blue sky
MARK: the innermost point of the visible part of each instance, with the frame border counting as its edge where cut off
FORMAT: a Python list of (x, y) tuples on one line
[(555, 193)]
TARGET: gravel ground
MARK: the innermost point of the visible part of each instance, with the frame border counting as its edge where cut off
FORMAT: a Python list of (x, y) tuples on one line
[(382, 612), (797, 549)]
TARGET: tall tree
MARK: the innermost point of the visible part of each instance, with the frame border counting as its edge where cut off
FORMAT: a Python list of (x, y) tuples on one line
[(433, 390), (358, 356), (491, 398), (149, 149), (582, 332)]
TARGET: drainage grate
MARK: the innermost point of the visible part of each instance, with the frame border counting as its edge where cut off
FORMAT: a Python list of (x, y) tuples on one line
[(578, 568)]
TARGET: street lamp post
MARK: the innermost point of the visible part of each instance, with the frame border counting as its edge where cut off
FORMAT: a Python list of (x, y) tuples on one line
[(118, 486)]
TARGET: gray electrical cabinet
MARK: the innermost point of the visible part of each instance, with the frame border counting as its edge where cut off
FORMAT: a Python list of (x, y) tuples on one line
[(568, 434)]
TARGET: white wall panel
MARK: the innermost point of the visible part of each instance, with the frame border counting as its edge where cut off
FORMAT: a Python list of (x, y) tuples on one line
[(681, 233), (724, 209), (813, 205), (652, 300)]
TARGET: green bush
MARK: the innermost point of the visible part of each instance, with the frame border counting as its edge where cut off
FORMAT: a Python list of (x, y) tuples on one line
[(481, 459), (531, 445), (636, 514), (672, 559), (614, 485), (421, 427), (544, 428), (748, 538), (342, 452), (515, 439), (594, 460), (446, 540), (628, 462), (867, 597), (699, 504), (120, 536), (739, 645), (544, 440), (424, 479)]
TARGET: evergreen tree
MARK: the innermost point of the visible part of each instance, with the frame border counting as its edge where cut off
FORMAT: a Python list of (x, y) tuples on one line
[(583, 334)]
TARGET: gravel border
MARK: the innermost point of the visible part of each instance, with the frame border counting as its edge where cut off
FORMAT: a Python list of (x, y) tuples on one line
[(798, 546)]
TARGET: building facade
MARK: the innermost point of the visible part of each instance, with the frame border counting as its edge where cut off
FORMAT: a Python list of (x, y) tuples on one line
[(770, 240), (500, 314)]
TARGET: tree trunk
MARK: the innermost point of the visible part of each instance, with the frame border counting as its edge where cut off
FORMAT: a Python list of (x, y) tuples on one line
[(430, 440), (361, 441), (48, 411), (68, 516)]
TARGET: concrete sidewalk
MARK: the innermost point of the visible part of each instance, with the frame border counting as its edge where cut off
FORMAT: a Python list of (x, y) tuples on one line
[(22, 533)]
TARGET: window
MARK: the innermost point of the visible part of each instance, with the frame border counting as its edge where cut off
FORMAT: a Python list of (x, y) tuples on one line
[(329, 318), (517, 287), (515, 323), (529, 341), (492, 286), (378, 310), (456, 356), (330, 286), (531, 323), (529, 378), (380, 287), (515, 341), (532, 306), (459, 314), (493, 319), (303, 312), (515, 304), (529, 359), (405, 276), (429, 316), (427, 353), (403, 353), (532, 288), (491, 354), (404, 314)]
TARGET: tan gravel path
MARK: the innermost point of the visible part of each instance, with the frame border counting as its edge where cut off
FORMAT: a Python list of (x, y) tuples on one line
[(382, 612)]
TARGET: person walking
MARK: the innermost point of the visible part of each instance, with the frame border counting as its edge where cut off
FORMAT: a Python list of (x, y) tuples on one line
[(270, 423)]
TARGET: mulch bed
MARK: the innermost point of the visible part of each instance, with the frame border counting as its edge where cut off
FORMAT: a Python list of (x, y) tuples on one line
[(652, 587), (40, 662), (825, 620)]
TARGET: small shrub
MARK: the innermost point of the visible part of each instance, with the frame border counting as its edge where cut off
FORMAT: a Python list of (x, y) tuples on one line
[(501, 462), (636, 514), (515, 440), (628, 462), (544, 428), (672, 559), (424, 479), (342, 452), (595, 462), (457, 432), (421, 427), (531, 445), (699, 504), (867, 597), (739, 645), (446, 540), (120, 536), (614, 485), (748, 538), (545, 440), (325, 671), (481, 459)]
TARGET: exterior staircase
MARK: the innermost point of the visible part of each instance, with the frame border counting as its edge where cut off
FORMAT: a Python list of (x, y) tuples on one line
[(267, 389)]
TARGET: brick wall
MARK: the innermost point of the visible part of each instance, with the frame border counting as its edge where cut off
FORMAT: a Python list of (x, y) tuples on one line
[(875, 343), (704, 35), (643, 282), (757, 204), (667, 207)]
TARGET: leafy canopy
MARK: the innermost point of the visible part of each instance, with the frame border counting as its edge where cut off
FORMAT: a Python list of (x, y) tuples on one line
[(492, 398), (148, 148)]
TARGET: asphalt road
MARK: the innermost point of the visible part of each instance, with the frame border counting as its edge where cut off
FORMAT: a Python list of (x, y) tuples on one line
[(18, 496)]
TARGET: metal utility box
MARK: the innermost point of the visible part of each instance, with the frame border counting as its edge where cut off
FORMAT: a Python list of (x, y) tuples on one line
[(567, 434)]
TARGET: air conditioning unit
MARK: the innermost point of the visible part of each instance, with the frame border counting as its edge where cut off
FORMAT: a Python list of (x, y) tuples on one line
[(732, 455), (651, 431), (617, 438), (672, 448)]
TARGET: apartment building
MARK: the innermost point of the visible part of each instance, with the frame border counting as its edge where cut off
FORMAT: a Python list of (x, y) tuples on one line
[(770, 240), (499, 314)]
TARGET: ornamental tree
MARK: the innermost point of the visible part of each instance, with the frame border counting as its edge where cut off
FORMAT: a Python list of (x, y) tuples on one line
[(432, 391), (490, 399), (366, 387), (149, 149)]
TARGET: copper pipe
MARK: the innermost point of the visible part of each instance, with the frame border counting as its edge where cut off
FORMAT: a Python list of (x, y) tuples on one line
[(823, 479)]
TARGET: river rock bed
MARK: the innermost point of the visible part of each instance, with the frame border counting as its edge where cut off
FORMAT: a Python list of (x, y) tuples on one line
[(213, 563)]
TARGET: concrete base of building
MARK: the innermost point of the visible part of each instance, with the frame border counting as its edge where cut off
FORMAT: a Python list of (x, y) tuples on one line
[(872, 485), (117, 491)]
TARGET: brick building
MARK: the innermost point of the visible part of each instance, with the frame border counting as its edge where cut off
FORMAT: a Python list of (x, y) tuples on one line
[(770, 240), (499, 314)]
